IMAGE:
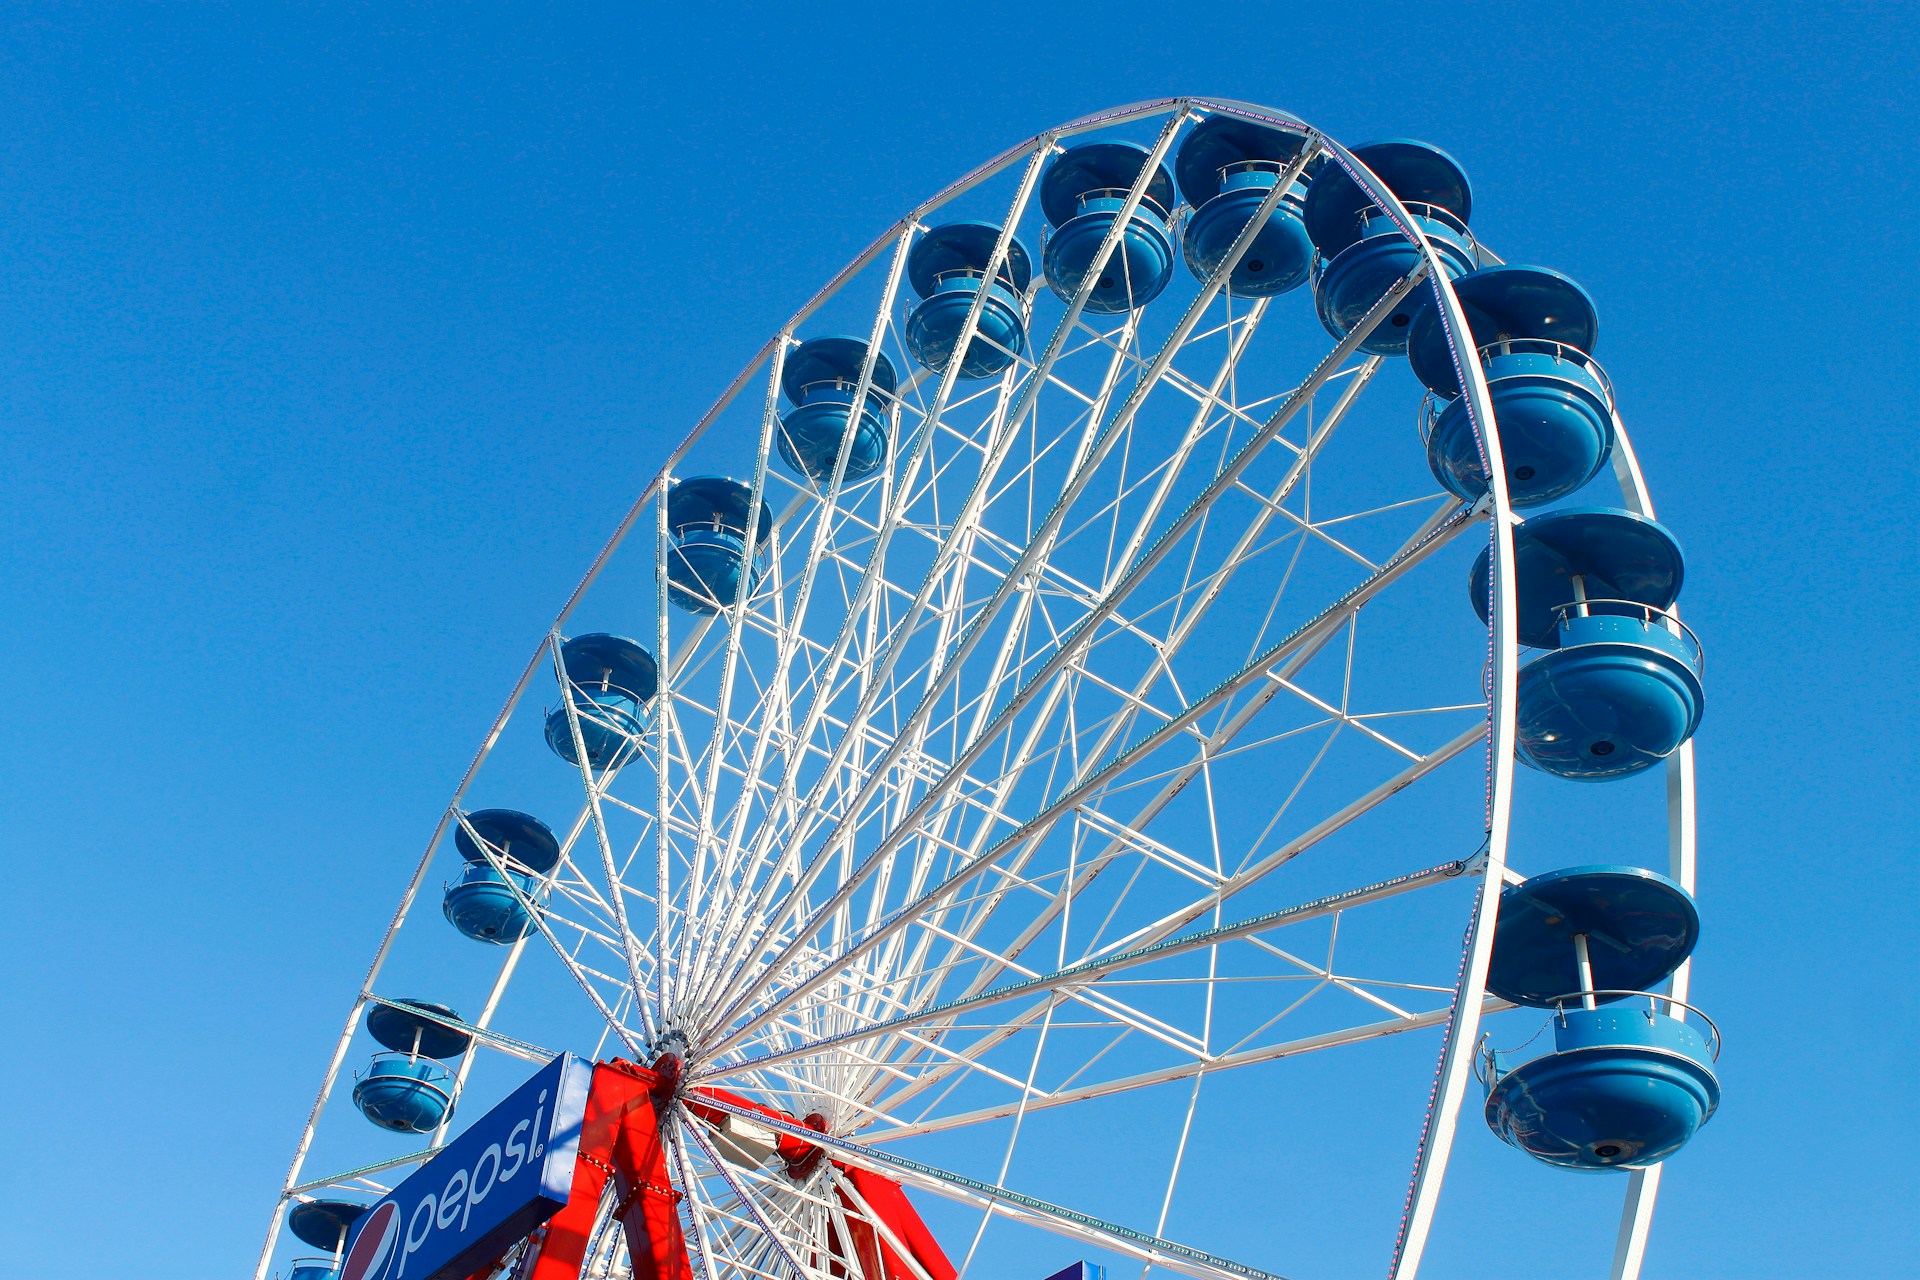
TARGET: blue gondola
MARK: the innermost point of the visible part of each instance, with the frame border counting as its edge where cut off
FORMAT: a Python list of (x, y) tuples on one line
[(1621, 688), (483, 904), (1535, 330), (1082, 194), (1226, 169), (612, 682), (1622, 1086), (1363, 253), (820, 378), (322, 1224), (707, 560), (947, 268), (408, 1089)]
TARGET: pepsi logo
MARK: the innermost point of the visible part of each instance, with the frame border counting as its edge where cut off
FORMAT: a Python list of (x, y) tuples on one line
[(478, 1193), (373, 1248)]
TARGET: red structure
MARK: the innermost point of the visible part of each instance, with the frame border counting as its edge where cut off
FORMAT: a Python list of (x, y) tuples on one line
[(620, 1143)]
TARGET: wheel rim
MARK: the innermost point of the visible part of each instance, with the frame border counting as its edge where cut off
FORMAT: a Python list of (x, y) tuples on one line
[(1002, 656)]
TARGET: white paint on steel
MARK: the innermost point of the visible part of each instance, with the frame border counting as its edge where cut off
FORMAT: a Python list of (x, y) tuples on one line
[(831, 1003)]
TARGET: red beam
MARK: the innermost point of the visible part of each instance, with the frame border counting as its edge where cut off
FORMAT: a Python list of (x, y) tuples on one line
[(883, 1195), (620, 1143)]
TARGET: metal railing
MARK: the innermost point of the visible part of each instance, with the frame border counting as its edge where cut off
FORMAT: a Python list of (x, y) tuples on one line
[(431, 1084), (884, 398), (329, 1265), (587, 688), (1318, 268), (973, 273), (1147, 203), (1653, 999), (1432, 212), (714, 524), (1562, 352), (1649, 616), (1486, 1054), (1274, 167), (1434, 404), (536, 891)]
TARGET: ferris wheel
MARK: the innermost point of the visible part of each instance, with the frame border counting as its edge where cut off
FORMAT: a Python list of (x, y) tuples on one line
[(1031, 783)]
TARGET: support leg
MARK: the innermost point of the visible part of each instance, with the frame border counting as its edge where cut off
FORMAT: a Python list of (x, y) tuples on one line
[(619, 1144)]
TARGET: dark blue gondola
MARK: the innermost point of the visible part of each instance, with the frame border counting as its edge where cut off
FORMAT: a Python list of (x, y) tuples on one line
[(707, 523), (1082, 194), (321, 1224), (1363, 254), (947, 269), (1622, 1086), (408, 1089), (1535, 331), (1226, 168), (324, 1224), (483, 905), (820, 379), (611, 681), (1621, 688)]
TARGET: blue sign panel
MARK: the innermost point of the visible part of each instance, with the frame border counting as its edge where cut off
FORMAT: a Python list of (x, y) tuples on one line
[(508, 1173)]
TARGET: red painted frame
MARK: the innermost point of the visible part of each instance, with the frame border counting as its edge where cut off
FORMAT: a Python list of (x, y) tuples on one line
[(620, 1143)]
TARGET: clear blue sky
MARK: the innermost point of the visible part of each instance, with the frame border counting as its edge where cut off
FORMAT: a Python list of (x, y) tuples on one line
[(333, 341)]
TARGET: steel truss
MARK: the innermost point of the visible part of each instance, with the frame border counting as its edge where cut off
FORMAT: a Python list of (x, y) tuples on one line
[(961, 797)]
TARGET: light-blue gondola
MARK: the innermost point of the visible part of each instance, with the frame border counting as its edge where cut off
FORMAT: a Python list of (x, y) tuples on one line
[(409, 1089), (1226, 168), (1362, 253), (1082, 194), (707, 523), (948, 268), (820, 379), (1623, 1086), (1535, 330), (483, 904), (612, 682), (1620, 688), (321, 1224)]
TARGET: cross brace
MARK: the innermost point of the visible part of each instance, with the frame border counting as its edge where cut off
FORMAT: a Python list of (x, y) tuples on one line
[(621, 1145)]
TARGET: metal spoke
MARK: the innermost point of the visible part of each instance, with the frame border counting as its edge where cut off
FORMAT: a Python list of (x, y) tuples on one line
[(1090, 970), (1024, 1208), (909, 835)]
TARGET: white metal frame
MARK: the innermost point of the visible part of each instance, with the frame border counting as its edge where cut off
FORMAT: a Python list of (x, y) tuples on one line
[(712, 990)]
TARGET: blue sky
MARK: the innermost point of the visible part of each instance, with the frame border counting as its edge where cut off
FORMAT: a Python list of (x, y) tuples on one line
[(336, 340)]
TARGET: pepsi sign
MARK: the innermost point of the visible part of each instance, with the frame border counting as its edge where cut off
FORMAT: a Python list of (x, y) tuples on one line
[(508, 1173)]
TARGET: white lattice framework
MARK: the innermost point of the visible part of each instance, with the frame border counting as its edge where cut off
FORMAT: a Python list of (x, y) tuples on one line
[(1045, 768)]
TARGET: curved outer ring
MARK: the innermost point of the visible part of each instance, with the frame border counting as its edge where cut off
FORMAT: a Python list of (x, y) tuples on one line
[(1470, 995)]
